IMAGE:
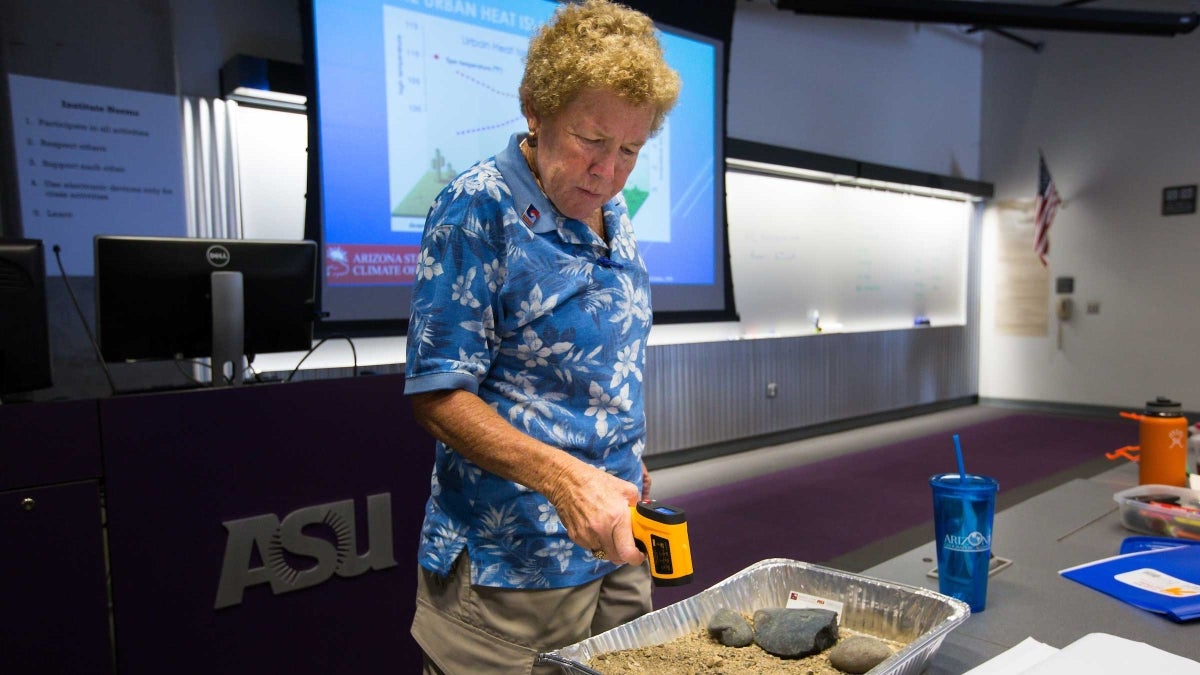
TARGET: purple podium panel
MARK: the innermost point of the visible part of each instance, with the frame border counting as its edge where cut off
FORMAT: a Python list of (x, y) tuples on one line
[(266, 528), (55, 617), (43, 443)]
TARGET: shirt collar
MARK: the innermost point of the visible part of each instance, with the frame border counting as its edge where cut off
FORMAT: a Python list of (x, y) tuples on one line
[(533, 206)]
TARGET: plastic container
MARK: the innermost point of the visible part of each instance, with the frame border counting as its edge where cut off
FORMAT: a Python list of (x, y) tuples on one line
[(1140, 514), (1194, 450), (917, 616)]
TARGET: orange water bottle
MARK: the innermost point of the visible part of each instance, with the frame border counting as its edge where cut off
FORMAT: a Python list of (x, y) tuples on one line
[(1162, 435)]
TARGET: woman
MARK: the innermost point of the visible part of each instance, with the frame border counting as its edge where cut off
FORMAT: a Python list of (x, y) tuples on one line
[(526, 345)]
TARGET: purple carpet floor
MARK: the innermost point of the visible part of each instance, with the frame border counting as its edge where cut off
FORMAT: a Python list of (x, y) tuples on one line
[(819, 511)]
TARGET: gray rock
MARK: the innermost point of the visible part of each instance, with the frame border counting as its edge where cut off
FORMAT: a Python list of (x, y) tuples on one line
[(791, 632), (858, 654), (730, 628)]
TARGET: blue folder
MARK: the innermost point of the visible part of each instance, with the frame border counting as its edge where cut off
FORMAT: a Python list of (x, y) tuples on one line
[(1140, 543), (1165, 580)]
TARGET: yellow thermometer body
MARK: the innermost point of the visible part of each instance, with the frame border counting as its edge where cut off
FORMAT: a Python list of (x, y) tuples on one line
[(661, 534)]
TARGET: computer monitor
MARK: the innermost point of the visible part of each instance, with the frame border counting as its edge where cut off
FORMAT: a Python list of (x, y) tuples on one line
[(24, 325), (179, 297)]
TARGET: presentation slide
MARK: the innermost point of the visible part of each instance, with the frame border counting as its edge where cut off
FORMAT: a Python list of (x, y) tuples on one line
[(95, 160), (410, 93), (457, 85)]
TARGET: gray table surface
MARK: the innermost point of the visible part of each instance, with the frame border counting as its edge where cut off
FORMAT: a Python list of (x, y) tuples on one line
[(1072, 524)]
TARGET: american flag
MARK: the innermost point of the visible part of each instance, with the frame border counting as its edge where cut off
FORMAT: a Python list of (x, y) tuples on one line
[(1047, 205)]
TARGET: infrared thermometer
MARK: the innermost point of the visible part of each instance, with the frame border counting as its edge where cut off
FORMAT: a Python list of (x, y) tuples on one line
[(660, 532)]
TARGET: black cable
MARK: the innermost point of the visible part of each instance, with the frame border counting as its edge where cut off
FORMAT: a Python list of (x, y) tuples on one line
[(99, 357), (254, 373), (353, 355), (353, 352), (179, 366), (197, 362)]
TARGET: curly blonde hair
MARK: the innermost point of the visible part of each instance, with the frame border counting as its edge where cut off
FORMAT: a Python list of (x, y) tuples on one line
[(597, 44)]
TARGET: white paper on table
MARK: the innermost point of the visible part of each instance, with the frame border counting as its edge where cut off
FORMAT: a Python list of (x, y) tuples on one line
[(1016, 659), (1103, 654), (1092, 654)]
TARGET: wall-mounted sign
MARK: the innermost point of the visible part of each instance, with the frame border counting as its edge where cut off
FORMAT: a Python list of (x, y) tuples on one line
[(1178, 200), (95, 160)]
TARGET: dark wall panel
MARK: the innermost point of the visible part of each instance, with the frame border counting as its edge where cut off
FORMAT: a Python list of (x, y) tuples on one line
[(225, 488)]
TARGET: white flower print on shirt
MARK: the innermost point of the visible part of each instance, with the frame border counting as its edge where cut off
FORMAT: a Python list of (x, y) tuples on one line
[(602, 404)]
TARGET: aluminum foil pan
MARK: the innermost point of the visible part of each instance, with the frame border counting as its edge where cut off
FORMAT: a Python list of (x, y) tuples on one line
[(917, 616)]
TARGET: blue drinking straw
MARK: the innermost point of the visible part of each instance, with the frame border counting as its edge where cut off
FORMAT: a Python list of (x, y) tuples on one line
[(968, 515), (962, 473)]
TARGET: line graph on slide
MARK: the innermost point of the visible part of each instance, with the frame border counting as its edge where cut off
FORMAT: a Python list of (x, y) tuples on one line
[(452, 100)]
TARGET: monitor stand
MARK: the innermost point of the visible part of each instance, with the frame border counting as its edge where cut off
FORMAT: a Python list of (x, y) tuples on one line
[(228, 329)]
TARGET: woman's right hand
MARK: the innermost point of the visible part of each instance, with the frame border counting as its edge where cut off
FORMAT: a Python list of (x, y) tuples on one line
[(594, 507)]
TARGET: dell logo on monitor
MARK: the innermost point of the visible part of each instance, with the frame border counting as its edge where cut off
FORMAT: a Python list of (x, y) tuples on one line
[(218, 256)]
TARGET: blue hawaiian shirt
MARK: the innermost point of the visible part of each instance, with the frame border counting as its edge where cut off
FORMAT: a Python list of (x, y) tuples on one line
[(546, 323)]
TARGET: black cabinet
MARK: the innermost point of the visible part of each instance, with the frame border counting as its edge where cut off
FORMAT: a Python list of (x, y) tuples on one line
[(55, 617)]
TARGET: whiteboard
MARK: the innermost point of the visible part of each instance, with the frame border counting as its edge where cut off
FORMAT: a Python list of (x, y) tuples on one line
[(864, 259)]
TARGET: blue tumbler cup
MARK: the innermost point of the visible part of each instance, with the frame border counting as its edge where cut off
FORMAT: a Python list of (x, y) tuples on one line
[(962, 523)]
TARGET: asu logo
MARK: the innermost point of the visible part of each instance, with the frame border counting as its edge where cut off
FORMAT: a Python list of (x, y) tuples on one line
[(298, 538)]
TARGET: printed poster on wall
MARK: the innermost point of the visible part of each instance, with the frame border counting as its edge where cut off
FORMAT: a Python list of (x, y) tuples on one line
[(95, 160)]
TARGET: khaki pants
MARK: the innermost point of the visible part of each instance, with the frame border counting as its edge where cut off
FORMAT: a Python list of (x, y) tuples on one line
[(465, 629)]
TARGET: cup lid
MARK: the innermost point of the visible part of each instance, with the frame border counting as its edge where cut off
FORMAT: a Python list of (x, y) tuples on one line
[(1162, 405), (973, 482)]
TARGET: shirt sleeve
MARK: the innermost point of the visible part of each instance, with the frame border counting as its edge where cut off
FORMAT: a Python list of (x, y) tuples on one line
[(451, 337)]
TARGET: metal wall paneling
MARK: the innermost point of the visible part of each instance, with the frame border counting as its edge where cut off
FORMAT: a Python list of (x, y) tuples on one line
[(709, 393), (799, 369)]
